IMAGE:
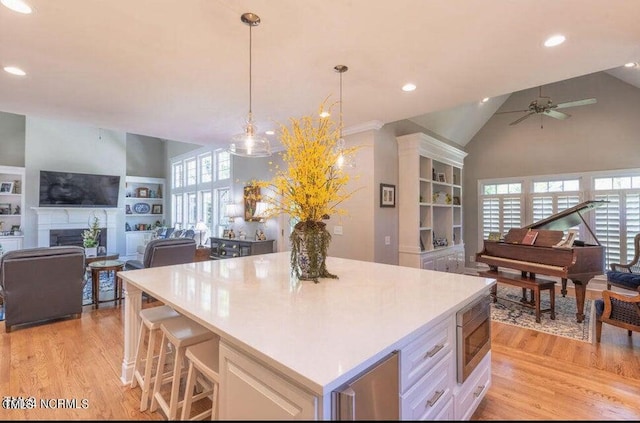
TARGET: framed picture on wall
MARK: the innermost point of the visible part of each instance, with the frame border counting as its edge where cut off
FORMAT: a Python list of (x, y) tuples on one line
[(387, 195), (251, 198)]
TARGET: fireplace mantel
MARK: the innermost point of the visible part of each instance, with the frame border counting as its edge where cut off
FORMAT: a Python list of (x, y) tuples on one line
[(49, 218)]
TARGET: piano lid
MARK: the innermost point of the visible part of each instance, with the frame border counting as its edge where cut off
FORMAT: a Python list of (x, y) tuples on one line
[(568, 218)]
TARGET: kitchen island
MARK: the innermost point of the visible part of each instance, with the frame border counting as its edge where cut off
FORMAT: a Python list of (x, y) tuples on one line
[(287, 344)]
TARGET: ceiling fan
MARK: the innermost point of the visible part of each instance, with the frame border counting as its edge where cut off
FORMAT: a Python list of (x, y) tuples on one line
[(544, 106)]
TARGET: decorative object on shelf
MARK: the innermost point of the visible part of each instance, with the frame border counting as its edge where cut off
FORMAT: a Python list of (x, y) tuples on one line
[(440, 242), (91, 238), (250, 143), (127, 227), (5, 208), (309, 187), (128, 209), (159, 192), (17, 210), (141, 208), (441, 177), (17, 189), (433, 174), (442, 198), (6, 187), (387, 195), (142, 192), (260, 236), (456, 200), (156, 209), (251, 198)]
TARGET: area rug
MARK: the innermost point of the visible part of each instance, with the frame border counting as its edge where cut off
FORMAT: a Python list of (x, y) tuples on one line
[(564, 325)]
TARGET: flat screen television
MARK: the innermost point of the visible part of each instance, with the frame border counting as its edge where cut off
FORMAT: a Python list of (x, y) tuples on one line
[(66, 189)]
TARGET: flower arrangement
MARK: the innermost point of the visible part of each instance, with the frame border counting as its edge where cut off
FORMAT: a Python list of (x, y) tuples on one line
[(91, 236), (311, 187)]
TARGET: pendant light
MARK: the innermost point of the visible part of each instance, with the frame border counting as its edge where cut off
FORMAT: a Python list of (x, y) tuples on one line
[(342, 160), (249, 143)]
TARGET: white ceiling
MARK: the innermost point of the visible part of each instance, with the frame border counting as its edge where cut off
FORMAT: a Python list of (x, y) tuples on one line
[(178, 70)]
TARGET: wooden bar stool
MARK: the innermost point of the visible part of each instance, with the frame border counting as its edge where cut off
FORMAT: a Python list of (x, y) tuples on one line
[(203, 363), (180, 332), (151, 318)]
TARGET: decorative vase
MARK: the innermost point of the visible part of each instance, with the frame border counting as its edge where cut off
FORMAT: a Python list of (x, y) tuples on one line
[(309, 244), (90, 251)]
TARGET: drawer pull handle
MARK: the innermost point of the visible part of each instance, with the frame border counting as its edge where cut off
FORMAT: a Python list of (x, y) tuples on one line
[(478, 391), (435, 398), (434, 350)]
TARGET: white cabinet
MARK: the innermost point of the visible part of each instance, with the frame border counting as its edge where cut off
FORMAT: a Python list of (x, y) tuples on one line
[(252, 391), (430, 207), (144, 210), (11, 207), (469, 394), (428, 373)]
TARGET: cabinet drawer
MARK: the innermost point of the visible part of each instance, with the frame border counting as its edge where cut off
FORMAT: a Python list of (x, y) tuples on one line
[(424, 352), (473, 390), (432, 394)]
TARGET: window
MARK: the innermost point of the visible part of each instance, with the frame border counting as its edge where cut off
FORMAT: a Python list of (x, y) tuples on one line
[(200, 183), (615, 224)]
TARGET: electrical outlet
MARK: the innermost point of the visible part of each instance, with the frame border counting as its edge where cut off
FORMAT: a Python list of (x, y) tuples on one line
[(387, 240), (337, 230)]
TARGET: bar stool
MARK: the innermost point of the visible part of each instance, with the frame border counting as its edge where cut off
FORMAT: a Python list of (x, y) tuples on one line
[(203, 363), (180, 332), (151, 318)]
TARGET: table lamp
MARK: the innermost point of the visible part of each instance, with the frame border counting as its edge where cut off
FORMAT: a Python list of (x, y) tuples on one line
[(202, 228)]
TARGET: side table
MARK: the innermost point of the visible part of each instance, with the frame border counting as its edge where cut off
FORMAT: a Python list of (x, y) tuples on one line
[(105, 266)]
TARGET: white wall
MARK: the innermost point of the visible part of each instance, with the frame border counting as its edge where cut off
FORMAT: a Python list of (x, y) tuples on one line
[(600, 136), (70, 147), (12, 139)]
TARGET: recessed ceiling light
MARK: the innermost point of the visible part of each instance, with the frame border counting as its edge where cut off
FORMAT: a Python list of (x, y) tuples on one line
[(14, 71), (17, 6), (554, 40), (408, 87), (484, 100), (325, 114), (629, 65), (269, 132)]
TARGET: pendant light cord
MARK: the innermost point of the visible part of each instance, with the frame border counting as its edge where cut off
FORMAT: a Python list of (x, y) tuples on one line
[(250, 39)]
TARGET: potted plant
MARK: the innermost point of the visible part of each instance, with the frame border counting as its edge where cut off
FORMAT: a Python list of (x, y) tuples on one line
[(311, 188), (91, 238)]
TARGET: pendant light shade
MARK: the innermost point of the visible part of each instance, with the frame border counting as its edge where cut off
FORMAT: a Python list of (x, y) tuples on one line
[(249, 143), (343, 159)]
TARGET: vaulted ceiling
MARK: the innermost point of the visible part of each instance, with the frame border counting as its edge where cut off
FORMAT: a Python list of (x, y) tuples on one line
[(179, 70)]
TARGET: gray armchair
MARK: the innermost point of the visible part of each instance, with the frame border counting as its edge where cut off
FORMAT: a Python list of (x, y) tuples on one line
[(40, 284), (165, 252)]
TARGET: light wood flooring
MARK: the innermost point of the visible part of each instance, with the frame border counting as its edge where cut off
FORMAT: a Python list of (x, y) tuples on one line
[(535, 376)]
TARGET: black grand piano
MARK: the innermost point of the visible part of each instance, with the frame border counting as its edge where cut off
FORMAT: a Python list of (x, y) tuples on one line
[(580, 263)]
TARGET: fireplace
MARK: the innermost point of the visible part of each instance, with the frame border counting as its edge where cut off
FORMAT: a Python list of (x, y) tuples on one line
[(51, 220), (73, 237)]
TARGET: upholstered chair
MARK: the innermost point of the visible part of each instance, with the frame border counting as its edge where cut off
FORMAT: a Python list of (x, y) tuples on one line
[(618, 310), (626, 276), (41, 284), (165, 252)]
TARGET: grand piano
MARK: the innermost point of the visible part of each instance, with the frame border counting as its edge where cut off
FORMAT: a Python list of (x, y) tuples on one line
[(580, 263)]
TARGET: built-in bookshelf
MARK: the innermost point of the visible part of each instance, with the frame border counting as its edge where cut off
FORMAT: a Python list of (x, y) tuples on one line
[(430, 207), (144, 210), (11, 207)]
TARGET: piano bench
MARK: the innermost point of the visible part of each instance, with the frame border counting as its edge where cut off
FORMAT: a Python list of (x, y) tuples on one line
[(535, 285)]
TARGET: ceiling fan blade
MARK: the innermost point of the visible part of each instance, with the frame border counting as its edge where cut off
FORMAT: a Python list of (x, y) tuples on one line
[(515, 122), (512, 111), (557, 115), (575, 103)]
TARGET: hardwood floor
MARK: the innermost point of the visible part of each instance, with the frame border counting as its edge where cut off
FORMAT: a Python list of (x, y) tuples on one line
[(535, 376)]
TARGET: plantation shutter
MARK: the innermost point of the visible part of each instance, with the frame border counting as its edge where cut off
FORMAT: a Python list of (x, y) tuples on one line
[(608, 227)]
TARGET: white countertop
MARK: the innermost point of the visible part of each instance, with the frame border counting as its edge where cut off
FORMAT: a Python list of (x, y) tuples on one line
[(320, 334)]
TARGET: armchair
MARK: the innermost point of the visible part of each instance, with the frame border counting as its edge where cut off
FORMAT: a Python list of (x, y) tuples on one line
[(618, 310), (165, 252), (40, 284), (626, 276)]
